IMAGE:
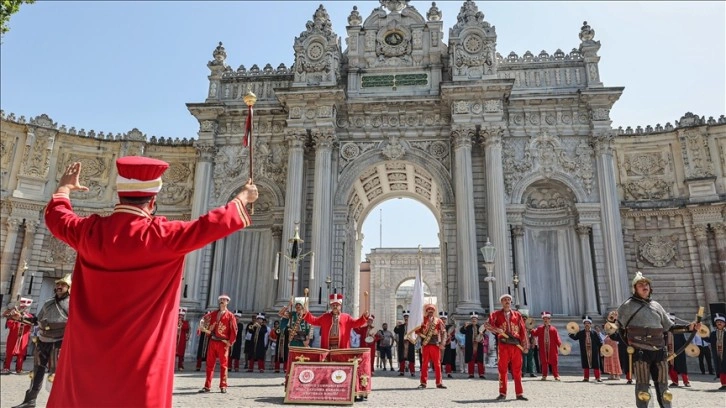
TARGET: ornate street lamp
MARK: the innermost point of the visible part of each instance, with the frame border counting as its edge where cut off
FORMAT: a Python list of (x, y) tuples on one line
[(489, 252)]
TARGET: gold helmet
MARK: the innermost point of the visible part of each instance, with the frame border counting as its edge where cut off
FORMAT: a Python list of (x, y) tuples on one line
[(67, 280), (640, 278)]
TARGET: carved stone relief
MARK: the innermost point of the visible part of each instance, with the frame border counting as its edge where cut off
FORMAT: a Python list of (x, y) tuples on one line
[(232, 163), (96, 172), (546, 154), (37, 155), (647, 176), (696, 155), (59, 252), (178, 184), (658, 250)]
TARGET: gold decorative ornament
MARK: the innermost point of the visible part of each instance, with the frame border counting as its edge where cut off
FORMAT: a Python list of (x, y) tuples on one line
[(630, 350), (644, 396), (667, 396)]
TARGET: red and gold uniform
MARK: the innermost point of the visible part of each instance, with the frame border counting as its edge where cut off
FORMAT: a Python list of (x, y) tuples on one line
[(182, 336), (433, 337), (512, 323), (19, 326), (223, 328), (119, 344), (549, 342), (335, 327)]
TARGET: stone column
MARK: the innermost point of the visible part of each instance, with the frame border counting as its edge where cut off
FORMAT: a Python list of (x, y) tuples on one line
[(322, 210), (13, 225), (293, 211), (467, 271), (203, 174), (583, 232), (496, 209), (518, 232), (25, 253), (700, 233), (614, 254), (719, 230)]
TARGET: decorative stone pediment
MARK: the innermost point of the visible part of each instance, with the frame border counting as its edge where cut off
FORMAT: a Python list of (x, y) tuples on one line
[(546, 155), (472, 45), (317, 52)]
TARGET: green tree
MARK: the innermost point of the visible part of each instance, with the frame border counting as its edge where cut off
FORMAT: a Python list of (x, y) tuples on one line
[(9, 7)]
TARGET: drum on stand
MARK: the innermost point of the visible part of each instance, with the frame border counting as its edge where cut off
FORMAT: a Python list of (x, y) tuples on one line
[(363, 384), (304, 355)]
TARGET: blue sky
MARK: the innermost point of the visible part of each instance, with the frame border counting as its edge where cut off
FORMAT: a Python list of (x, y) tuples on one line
[(114, 66)]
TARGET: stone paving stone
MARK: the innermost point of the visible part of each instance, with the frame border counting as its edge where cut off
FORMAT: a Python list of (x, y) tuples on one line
[(390, 390)]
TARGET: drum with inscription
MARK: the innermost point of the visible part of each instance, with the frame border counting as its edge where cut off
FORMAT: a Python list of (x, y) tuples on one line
[(363, 384), (304, 355)]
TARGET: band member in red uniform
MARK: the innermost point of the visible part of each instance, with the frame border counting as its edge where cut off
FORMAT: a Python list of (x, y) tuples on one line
[(508, 326), (182, 336), (433, 339), (144, 254), (368, 338), (549, 343), (335, 325), (221, 325), (19, 325), (473, 347)]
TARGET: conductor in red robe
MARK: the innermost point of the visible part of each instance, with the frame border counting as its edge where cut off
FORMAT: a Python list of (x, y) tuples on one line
[(182, 336), (334, 325), (120, 350), (19, 326), (549, 344)]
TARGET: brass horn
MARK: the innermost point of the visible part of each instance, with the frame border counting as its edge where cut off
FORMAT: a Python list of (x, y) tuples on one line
[(573, 327)]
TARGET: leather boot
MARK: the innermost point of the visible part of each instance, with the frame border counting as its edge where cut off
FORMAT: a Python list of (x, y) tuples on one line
[(29, 401)]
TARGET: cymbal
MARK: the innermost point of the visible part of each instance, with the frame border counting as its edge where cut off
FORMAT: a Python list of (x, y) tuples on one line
[(573, 327), (606, 350), (692, 350), (529, 323), (703, 331), (565, 349), (611, 328)]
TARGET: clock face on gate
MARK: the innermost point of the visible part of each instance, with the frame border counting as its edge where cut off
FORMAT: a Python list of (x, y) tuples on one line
[(472, 43), (394, 38), (315, 51)]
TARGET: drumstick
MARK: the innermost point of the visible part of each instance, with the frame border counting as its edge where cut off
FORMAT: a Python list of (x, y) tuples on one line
[(365, 300)]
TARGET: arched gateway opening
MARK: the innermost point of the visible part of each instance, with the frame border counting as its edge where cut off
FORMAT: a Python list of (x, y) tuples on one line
[(369, 183)]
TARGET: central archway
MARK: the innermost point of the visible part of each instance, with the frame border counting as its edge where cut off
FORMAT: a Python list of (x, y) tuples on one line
[(369, 181)]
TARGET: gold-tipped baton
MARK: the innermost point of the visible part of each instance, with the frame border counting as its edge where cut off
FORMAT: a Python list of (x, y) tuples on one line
[(250, 99)]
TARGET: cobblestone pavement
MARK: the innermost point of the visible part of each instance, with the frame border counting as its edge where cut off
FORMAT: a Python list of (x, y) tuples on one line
[(390, 390)]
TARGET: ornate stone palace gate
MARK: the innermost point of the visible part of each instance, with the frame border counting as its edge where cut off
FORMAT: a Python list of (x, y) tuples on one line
[(519, 149)]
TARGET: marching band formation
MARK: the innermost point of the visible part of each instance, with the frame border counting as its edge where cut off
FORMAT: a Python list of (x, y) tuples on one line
[(639, 339)]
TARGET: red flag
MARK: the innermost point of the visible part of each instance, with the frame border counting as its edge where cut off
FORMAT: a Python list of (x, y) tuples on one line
[(248, 128)]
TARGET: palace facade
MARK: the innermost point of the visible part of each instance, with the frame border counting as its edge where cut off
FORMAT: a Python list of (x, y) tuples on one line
[(517, 149)]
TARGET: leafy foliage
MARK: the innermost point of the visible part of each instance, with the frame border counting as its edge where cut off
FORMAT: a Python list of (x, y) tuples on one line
[(8, 8)]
